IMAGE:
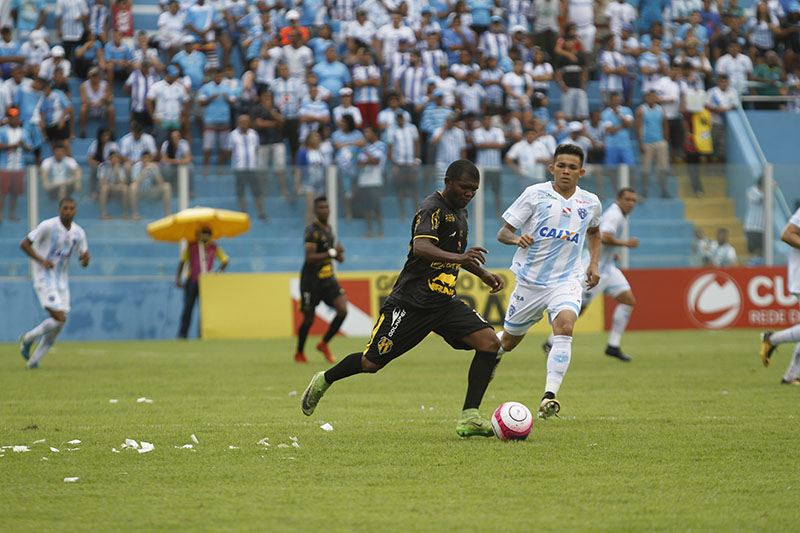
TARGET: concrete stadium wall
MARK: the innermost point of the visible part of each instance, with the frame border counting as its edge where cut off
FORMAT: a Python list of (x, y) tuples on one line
[(102, 309)]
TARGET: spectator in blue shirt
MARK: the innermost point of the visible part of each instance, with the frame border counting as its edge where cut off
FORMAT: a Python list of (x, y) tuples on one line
[(118, 58), (192, 62), (29, 15), (88, 54), (216, 98), (319, 45), (9, 53), (481, 11), (456, 38), (332, 73), (618, 121)]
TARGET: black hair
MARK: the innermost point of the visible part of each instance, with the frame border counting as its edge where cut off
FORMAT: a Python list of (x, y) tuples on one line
[(65, 199), (320, 199), (98, 152), (350, 121), (172, 149), (623, 190), (569, 149), (463, 169)]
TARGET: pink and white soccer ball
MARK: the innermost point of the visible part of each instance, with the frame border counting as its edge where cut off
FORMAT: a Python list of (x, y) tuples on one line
[(512, 421)]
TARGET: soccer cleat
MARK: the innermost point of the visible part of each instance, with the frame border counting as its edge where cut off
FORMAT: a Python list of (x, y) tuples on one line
[(472, 425), (767, 348), (546, 347), (614, 351), (790, 382), (323, 347), (313, 393), (33, 366), (548, 408), (25, 347), (300, 357)]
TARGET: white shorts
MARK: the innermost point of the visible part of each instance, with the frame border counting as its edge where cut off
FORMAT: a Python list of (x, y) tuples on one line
[(528, 302), (612, 282), (52, 298), (272, 156), (215, 135)]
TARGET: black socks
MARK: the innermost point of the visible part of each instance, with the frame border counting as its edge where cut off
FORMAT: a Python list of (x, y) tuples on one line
[(480, 373), (349, 366)]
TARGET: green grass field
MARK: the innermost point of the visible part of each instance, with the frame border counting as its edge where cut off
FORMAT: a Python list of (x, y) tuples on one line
[(693, 435)]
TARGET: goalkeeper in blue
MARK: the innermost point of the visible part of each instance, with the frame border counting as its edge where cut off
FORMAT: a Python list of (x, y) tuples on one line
[(555, 220)]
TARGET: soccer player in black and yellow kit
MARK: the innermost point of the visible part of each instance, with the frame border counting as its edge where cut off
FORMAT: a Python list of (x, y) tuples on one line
[(317, 282), (424, 299)]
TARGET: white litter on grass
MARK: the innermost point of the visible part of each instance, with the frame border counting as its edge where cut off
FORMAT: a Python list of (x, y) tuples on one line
[(185, 447), (724, 393), (263, 441), (20, 449), (295, 445), (45, 459), (54, 450), (194, 439), (71, 479), (115, 450), (129, 443), (327, 427), (293, 439), (74, 441), (293, 393), (40, 441), (422, 407), (592, 444), (290, 458), (146, 447), (143, 400), (113, 400), (233, 447), (73, 449), (282, 445)]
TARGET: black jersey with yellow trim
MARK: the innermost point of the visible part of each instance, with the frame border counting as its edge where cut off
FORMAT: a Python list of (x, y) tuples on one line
[(321, 236), (424, 283)]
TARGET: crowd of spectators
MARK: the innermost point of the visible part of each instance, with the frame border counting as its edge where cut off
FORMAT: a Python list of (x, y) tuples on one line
[(388, 91)]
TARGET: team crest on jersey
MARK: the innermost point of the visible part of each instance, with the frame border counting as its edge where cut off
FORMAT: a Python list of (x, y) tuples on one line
[(384, 346), (511, 310), (449, 217), (582, 213), (566, 211), (435, 217)]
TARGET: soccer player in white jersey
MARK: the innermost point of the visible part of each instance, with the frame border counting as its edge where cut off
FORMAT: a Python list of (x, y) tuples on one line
[(555, 219), (612, 281), (771, 339), (51, 245)]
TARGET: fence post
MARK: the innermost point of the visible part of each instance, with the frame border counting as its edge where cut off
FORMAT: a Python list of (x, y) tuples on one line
[(33, 205), (624, 180), (332, 186), (480, 212), (769, 233), (183, 187)]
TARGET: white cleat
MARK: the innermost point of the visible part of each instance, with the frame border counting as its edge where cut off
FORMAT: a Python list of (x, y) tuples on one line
[(548, 408)]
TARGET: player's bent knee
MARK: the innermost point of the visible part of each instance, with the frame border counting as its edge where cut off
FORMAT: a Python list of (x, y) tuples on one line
[(627, 298), (368, 366)]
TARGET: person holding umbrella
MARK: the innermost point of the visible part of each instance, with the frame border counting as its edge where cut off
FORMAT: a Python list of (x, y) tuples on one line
[(200, 257)]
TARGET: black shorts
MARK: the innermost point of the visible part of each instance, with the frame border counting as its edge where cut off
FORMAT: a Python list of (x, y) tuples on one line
[(247, 178), (54, 133), (312, 294), (399, 329)]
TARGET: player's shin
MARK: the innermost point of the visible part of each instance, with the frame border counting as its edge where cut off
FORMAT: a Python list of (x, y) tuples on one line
[(793, 372), (618, 324), (558, 362), (349, 366), (334, 327), (47, 342), (480, 373), (499, 357), (791, 334), (42, 329)]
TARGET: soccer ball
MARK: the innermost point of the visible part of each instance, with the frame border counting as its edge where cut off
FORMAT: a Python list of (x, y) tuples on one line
[(512, 421)]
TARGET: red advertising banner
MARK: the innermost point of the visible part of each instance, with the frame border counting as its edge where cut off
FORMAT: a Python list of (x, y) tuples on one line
[(709, 298)]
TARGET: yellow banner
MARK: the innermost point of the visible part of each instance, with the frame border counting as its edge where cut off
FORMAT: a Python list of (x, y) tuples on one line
[(258, 306)]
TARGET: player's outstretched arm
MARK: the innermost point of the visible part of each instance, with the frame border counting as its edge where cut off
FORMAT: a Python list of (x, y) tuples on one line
[(791, 235), (593, 244), (507, 235)]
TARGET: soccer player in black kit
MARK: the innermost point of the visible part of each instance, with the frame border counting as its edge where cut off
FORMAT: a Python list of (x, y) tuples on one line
[(317, 282), (423, 300)]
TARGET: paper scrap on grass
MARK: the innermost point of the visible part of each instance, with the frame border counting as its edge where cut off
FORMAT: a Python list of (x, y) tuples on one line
[(146, 447), (45, 459), (115, 450), (20, 449), (282, 445), (73, 449), (129, 443), (185, 447), (327, 427), (143, 400), (293, 393), (71, 479), (295, 445), (74, 441), (113, 400), (264, 441), (54, 450), (194, 439), (40, 441), (233, 447)]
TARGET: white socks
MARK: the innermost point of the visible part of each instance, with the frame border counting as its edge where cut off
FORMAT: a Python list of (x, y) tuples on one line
[(550, 339), (47, 342), (618, 324), (558, 362), (501, 351), (42, 329), (791, 334), (794, 366)]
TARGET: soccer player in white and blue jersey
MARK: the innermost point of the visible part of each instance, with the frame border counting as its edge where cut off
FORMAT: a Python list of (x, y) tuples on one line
[(555, 219), (771, 339), (51, 245)]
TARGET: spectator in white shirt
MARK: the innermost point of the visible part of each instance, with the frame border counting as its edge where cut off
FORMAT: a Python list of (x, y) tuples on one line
[(147, 181), (113, 180), (720, 100), (61, 175), (298, 56), (754, 218), (528, 158), (489, 143), (722, 253), (243, 145), (134, 144), (403, 154), (735, 65), (56, 61), (170, 29)]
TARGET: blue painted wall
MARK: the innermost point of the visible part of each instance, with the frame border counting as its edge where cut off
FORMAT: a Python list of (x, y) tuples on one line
[(112, 309)]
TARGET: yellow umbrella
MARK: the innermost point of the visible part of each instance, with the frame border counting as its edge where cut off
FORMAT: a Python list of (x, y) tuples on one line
[(185, 224)]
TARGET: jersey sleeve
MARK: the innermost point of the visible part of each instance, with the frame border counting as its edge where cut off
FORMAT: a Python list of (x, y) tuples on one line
[(42, 231), (311, 236), (795, 220), (521, 210), (610, 222), (427, 222), (83, 243), (597, 212)]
